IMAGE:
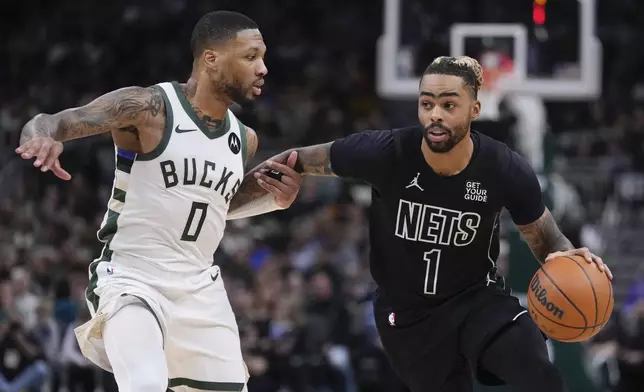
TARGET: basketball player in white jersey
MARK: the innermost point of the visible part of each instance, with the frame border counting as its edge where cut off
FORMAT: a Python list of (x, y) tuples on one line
[(161, 318)]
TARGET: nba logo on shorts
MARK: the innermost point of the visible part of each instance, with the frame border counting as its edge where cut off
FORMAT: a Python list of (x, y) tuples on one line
[(110, 270), (392, 319)]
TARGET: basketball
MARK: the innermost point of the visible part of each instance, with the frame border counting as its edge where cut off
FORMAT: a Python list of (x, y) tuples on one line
[(570, 299)]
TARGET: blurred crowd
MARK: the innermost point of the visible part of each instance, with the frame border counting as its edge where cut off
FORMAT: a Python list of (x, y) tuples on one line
[(298, 279)]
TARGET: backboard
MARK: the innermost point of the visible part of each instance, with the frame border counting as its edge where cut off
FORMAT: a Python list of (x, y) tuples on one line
[(555, 56)]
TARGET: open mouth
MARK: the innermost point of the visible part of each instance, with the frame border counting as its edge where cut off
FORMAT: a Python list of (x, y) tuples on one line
[(437, 135)]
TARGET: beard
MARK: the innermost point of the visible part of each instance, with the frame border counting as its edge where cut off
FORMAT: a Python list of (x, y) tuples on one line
[(451, 139), (237, 94), (230, 87)]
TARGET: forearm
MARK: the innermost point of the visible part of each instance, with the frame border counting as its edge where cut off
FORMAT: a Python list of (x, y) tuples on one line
[(259, 205), (312, 160), (544, 237), (249, 193)]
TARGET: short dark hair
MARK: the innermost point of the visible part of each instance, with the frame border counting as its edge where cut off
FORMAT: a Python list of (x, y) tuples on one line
[(464, 67), (216, 27)]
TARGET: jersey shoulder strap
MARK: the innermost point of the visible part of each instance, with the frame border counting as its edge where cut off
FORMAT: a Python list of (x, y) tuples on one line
[(171, 94)]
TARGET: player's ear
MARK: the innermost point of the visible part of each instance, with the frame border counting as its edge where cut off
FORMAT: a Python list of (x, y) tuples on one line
[(476, 110), (210, 58)]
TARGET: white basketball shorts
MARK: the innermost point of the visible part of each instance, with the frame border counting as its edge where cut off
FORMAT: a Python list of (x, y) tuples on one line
[(201, 339)]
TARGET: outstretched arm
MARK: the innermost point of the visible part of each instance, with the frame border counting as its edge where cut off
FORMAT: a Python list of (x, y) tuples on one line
[(274, 184), (125, 111), (117, 110), (364, 155), (313, 160)]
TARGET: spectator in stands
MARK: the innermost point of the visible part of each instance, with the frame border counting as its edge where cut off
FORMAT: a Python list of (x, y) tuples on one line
[(22, 365), (26, 302), (625, 336), (321, 87), (328, 332)]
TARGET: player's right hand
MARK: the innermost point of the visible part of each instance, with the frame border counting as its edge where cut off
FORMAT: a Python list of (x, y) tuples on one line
[(46, 151)]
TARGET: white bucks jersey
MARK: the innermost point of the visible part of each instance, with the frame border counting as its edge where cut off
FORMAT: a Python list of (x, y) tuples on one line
[(168, 207)]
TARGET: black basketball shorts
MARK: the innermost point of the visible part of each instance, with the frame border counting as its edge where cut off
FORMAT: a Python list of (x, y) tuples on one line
[(440, 351)]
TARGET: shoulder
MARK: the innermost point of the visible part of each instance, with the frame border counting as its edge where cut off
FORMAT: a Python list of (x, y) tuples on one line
[(144, 103), (498, 157), (371, 140), (130, 102), (252, 141), (151, 97), (406, 139), (407, 133), (249, 140), (366, 155), (154, 102)]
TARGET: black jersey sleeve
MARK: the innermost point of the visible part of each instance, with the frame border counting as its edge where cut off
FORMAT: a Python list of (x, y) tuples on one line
[(523, 197), (366, 156)]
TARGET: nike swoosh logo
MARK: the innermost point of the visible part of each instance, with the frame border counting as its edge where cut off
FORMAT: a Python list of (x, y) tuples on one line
[(179, 130), (214, 277)]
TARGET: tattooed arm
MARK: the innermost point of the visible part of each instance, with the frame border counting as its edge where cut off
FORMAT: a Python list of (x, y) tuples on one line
[(548, 242), (524, 201), (125, 110), (534, 220), (313, 160), (251, 144), (363, 155), (263, 182), (128, 112), (544, 237)]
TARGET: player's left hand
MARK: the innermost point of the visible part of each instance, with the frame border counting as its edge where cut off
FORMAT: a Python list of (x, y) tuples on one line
[(587, 255), (283, 183)]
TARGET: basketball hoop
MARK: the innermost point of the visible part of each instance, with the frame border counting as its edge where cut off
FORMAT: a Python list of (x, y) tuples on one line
[(498, 67)]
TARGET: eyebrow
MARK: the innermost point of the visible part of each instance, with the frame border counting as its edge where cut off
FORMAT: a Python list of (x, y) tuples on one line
[(441, 95)]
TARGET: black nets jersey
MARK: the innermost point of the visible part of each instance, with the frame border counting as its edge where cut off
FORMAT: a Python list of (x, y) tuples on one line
[(431, 236)]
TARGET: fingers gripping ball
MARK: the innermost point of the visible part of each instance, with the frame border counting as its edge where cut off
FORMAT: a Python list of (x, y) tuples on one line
[(570, 299)]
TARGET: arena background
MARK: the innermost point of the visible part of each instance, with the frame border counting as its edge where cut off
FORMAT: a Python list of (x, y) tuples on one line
[(564, 88)]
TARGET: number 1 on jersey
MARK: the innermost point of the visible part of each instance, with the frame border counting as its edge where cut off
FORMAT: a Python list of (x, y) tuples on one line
[(433, 259), (191, 231)]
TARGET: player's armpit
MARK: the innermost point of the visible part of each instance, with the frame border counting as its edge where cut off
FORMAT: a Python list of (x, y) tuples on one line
[(125, 109), (544, 237)]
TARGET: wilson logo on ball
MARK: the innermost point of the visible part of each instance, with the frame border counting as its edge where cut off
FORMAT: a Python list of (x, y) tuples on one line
[(541, 295)]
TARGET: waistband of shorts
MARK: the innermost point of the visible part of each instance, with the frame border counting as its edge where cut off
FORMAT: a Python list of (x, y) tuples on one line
[(159, 268)]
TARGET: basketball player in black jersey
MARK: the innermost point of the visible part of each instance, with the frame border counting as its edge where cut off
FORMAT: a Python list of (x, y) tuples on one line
[(443, 314)]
